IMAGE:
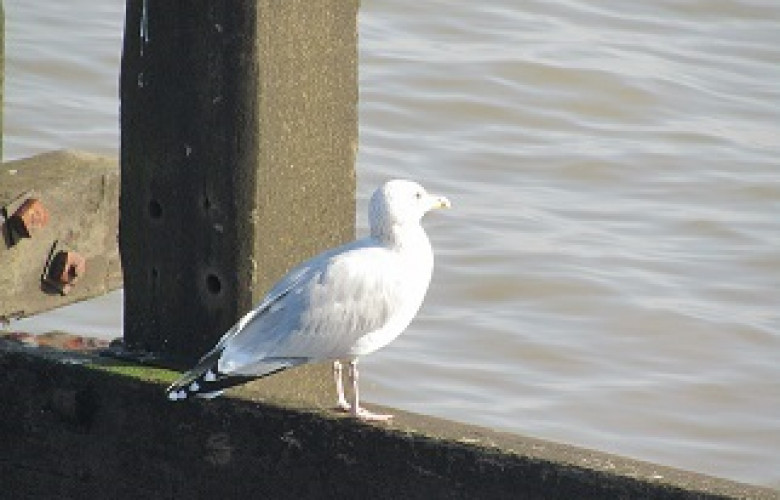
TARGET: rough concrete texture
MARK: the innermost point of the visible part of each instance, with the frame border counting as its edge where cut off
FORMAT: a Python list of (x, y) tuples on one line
[(80, 193), (78, 426), (239, 133)]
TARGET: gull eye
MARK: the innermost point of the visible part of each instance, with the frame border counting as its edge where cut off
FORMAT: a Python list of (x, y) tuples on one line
[(418, 195)]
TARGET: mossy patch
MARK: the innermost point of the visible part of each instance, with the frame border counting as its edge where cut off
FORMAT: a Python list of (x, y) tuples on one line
[(141, 372)]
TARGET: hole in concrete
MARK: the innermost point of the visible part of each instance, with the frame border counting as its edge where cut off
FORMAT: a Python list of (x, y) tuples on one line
[(155, 209), (213, 284)]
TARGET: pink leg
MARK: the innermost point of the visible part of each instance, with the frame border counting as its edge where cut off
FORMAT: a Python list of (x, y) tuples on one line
[(337, 371), (356, 410)]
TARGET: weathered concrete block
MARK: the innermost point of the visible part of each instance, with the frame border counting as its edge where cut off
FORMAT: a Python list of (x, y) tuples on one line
[(79, 191), (78, 426), (239, 133)]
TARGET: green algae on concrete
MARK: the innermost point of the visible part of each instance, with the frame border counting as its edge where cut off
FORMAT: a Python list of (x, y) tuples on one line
[(140, 372)]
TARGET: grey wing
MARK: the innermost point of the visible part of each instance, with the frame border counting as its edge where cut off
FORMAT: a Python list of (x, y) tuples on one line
[(276, 294), (215, 355), (335, 301)]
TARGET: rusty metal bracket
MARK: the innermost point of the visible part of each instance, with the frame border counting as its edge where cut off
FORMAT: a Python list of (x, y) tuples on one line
[(30, 215), (63, 269), (6, 211), (21, 216)]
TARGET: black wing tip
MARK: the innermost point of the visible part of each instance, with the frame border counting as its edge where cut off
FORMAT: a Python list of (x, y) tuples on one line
[(208, 384)]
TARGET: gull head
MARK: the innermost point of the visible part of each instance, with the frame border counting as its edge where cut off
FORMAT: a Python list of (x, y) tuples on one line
[(400, 202)]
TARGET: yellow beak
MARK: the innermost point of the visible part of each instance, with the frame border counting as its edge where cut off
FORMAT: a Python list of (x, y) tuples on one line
[(441, 202)]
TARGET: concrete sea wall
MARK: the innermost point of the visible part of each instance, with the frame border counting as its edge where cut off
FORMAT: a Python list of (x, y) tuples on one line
[(79, 425)]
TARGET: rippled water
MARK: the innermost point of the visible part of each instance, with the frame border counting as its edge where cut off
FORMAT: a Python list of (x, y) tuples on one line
[(610, 273)]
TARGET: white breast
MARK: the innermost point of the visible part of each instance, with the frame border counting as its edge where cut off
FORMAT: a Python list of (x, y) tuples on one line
[(416, 257)]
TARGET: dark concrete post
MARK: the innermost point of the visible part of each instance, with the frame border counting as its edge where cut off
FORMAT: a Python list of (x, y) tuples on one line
[(239, 133)]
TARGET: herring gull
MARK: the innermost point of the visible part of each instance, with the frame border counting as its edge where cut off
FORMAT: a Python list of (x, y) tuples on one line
[(342, 304)]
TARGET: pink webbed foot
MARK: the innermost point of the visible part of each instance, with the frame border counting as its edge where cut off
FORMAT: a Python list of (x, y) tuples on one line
[(353, 408), (366, 415)]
